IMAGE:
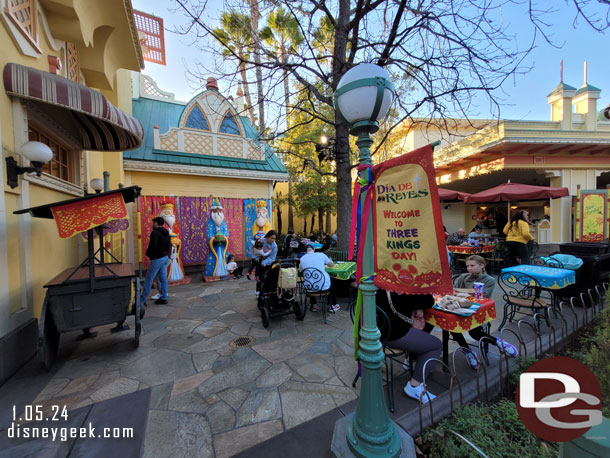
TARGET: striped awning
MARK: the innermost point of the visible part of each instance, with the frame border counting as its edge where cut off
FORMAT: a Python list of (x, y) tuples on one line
[(102, 126)]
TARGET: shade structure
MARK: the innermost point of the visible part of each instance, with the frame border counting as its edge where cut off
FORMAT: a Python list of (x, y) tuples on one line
[(83, 112), (449, 195), (508, 192), (129, 194)]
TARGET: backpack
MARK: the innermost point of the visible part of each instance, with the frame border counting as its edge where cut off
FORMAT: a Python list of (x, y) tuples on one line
[(288, 278)]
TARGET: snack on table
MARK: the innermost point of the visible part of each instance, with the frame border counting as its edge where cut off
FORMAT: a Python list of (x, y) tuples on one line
[(453, 303)]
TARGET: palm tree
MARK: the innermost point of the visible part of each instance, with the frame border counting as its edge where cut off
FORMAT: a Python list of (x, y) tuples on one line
[(255, 16), (282, 34), (235, 37)]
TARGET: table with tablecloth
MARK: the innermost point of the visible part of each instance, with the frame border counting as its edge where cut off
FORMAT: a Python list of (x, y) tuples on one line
[(459, 249), (342, 271), (551, 279), (450, 322), (548, 277)]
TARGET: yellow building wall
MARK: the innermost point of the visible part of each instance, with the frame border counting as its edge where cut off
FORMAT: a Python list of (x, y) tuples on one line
[(12, 55), (298, 221), (161, 184), (14, 271), (50, 254)]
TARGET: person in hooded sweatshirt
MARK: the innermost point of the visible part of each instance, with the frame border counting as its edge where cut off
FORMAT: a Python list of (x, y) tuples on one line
[(158, 251)]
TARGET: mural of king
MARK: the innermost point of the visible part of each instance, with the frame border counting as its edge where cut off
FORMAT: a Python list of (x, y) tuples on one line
[(217, 236), (261, 225), (175, 272)]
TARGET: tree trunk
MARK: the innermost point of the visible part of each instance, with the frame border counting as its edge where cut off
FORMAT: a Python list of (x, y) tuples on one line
[(305, 226), (313, 222), (279, 220), (344, 188), (255, 16), (246, 90), (344, 179), (321, 221), (329, 228), (290, 210)]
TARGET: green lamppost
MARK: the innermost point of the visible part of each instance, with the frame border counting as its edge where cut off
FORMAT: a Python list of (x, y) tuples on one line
[(363, 98)]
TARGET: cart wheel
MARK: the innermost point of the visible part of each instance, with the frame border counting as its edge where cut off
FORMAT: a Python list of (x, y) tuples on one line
[(48, 339), (265, 316), (299, 310)]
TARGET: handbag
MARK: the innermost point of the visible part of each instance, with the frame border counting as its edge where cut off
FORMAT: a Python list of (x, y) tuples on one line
[(417, 316)]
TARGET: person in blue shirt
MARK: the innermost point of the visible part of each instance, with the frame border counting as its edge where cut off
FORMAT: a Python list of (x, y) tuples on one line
[(269, 248)]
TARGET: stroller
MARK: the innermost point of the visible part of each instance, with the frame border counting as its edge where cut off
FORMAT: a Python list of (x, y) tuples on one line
[(275, 299)]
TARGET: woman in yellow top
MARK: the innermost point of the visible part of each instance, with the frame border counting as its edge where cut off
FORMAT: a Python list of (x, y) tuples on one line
[(517, 235)]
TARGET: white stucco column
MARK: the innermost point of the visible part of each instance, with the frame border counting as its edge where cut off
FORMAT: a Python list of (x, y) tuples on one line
[(561, 210)]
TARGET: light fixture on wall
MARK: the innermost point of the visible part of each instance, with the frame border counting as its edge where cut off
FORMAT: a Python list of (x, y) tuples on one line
[(482, 207), (36, 152), (514, 207), (97, 184)]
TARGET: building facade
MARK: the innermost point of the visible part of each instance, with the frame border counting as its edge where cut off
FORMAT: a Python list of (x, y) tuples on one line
[(571, 149), (66, 84)]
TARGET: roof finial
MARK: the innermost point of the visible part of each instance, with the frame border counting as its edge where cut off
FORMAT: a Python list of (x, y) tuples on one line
[(585, 73), (561, 71)]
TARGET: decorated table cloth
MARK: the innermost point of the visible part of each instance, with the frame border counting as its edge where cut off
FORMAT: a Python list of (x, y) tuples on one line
[(342, 271), (316, 245), (471, 249), (448, 321), (549, 277)]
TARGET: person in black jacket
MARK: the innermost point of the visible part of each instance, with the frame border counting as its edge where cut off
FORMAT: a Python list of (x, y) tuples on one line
[(158, 251), (402, 335)]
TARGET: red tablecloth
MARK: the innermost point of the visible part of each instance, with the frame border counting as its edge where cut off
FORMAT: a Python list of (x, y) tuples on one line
[(471, 249), (456, 323)]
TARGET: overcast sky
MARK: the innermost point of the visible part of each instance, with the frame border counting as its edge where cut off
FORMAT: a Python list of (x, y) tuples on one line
[(524, 96)]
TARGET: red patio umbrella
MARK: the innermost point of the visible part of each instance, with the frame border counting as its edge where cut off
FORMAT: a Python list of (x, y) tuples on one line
[(508, 192), (449, 195)]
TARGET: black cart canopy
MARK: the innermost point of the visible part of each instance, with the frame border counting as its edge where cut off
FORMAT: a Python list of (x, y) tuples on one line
[(129, 193)]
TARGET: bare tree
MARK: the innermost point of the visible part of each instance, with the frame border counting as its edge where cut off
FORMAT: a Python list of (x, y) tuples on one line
[(441, 53)]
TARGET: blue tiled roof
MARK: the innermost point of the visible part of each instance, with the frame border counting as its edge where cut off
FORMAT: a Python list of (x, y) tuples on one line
[(166, 115), (587, 87), (562, 87)]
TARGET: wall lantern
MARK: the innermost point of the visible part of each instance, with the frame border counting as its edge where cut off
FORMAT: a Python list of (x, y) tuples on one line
[(36, 152), (97, 184)]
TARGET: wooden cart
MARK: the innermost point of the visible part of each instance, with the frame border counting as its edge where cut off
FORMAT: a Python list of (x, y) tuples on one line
[(95, 293)]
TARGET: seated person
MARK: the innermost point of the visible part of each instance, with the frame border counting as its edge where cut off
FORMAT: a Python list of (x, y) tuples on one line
[(457, 238), (399, 308), (289, 238), (319, 261), (232, 267), (476, 274), (477, 232)]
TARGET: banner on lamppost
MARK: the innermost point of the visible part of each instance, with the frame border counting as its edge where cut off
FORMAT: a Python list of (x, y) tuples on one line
[(410, 251)]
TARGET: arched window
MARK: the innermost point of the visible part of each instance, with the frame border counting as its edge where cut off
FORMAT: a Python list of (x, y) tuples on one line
[(196, 119), (229, 125)]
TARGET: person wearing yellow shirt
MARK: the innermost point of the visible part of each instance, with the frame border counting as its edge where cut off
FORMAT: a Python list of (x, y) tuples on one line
[(517, 235)]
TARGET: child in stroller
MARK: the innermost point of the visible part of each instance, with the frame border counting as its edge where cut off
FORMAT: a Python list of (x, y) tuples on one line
[(278, 292)]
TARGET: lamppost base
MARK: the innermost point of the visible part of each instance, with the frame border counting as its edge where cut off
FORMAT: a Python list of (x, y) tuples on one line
[(341, 449)]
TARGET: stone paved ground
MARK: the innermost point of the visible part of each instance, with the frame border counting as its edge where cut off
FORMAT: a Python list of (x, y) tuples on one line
[(208, 398)]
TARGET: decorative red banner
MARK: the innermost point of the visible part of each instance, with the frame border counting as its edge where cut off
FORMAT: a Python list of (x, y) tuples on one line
[(77, 217), (410, 252)]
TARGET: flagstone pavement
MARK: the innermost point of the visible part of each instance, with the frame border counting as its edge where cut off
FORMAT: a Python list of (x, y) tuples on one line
[(207, 397)]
